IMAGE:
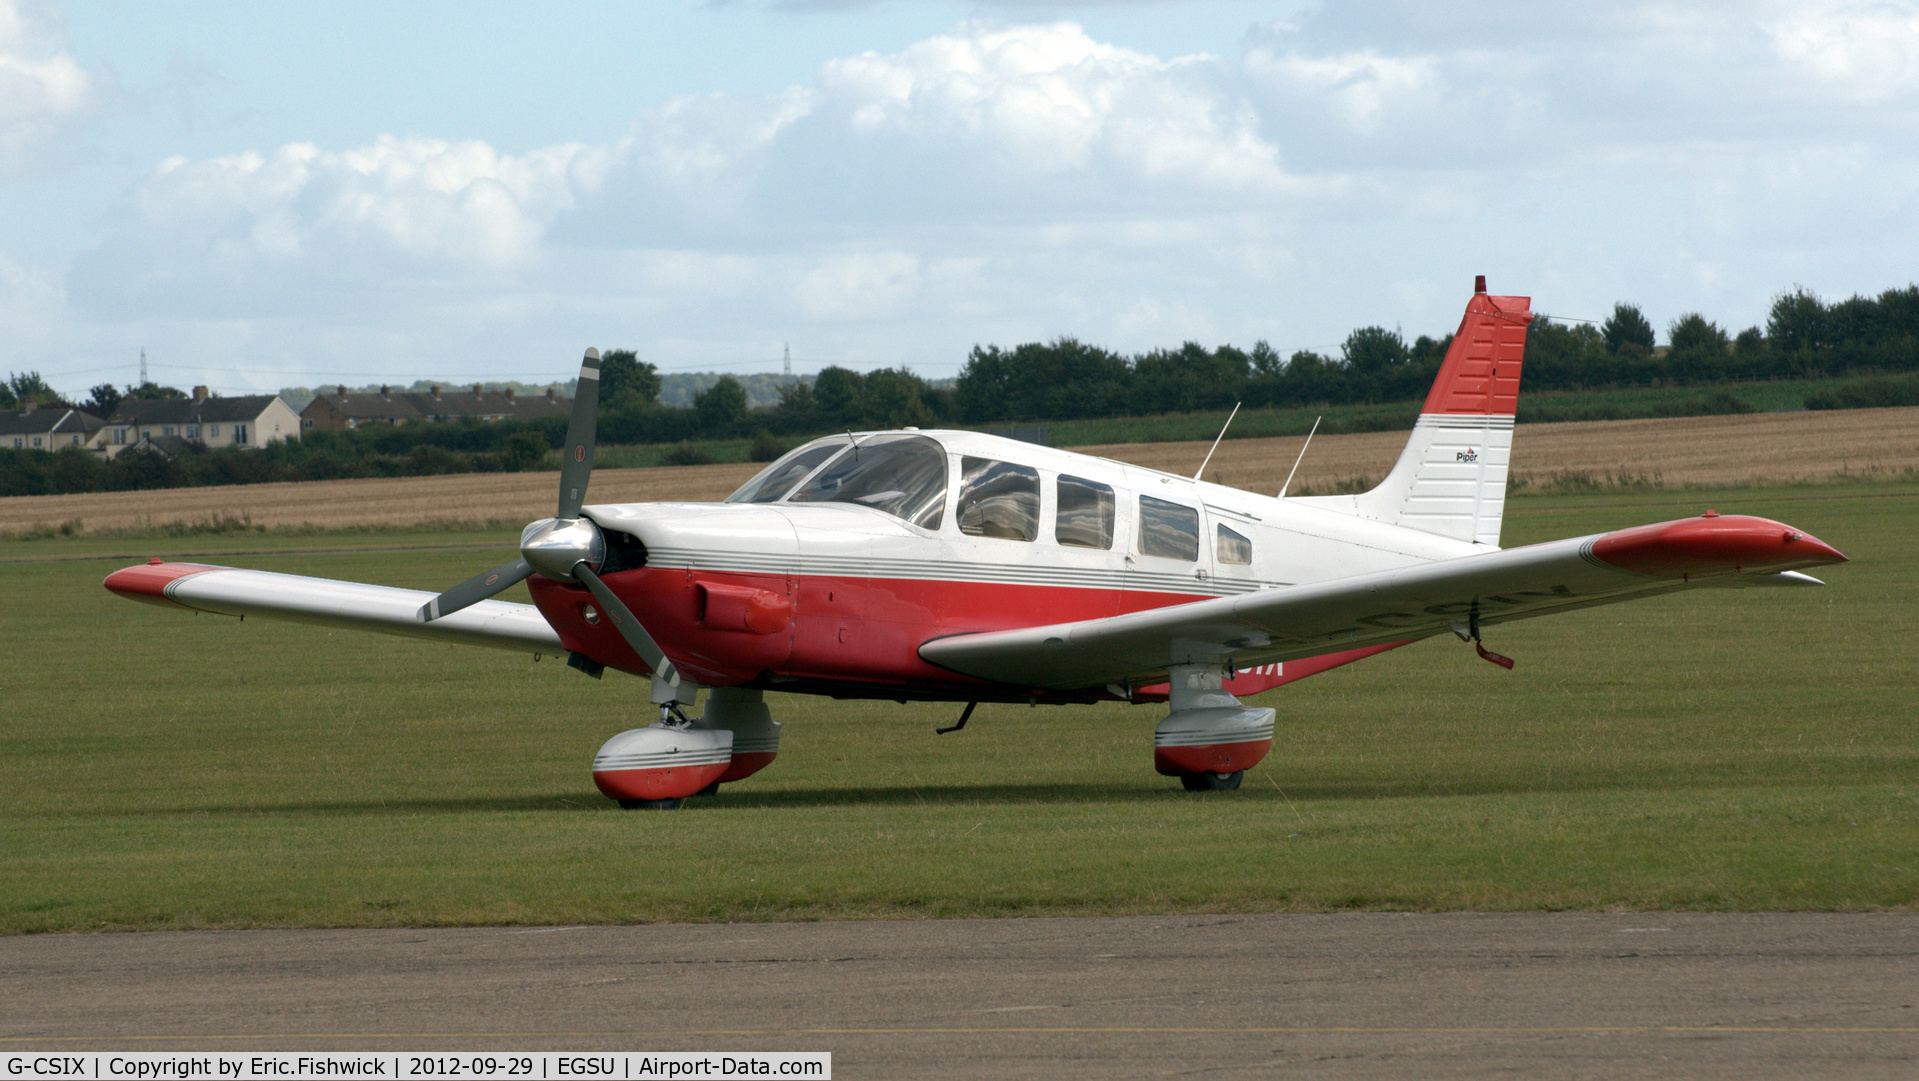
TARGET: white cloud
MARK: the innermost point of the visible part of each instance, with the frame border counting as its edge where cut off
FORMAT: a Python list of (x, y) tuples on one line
[(1361, 86), (1001, 180), (1867, 53), (863, 285), (44, 92), (242, 233), (1022, 104)]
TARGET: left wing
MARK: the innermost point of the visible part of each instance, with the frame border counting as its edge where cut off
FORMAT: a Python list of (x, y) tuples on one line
[(1463, 594), (229, 591)]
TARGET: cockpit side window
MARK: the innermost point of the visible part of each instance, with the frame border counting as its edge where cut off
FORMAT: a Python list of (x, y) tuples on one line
[(1169, 530), (903, 475), (771, 484), (998, 499), (1232, 547), (1084, 518)]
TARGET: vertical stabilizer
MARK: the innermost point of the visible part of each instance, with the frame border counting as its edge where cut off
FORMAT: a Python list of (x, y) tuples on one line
[(1451, 478)]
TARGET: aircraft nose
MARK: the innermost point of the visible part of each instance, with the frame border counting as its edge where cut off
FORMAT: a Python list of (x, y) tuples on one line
[(1714, 543)]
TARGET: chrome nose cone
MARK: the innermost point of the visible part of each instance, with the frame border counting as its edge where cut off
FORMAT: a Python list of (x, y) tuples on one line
[(554, 546)]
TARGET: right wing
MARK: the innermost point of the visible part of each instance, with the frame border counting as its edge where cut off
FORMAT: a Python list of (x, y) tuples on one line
[(1371, 610), (359, 606)]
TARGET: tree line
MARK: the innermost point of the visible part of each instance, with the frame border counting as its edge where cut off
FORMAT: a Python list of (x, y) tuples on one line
[(1804, 337), (1064, 379)]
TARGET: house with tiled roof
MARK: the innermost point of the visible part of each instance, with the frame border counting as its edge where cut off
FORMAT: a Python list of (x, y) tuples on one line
[(47, 428), (342, 408), (250, 420)]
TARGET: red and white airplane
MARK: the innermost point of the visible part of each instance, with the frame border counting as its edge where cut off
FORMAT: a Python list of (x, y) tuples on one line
[(955, 566)]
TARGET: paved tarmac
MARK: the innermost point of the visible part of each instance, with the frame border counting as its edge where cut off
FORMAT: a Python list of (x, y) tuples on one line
[(1351, 995)]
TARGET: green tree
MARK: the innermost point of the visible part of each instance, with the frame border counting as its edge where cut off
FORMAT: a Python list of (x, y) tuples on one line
[(105, 398), (1266, 360), (1699, 352), (893, 398), (1627, 331), (151, 391), (627, 381), (1797, 321), (522, 451), (721, 406), (25, 387), (838, 392), (765, 447), (1692, 331), (1373, 349)]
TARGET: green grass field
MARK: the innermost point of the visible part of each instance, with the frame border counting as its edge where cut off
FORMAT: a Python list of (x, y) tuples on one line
[(1739, 750)]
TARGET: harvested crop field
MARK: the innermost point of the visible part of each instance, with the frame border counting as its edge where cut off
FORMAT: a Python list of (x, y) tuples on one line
[(1761, 448), (1672, 452)]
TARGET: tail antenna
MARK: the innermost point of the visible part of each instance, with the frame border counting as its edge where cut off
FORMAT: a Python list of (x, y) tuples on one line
[(1222, 435), (1302, 456)]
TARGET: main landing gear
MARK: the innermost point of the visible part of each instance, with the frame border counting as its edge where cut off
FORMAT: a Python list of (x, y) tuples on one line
[(1210, 739), (657, 767), (1208, 781)]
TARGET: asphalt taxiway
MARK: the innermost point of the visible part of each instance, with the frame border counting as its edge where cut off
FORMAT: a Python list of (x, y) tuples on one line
[(1342, 995)]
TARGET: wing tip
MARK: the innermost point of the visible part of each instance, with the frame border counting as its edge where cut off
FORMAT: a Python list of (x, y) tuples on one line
[(1713, 544), (149, 581)]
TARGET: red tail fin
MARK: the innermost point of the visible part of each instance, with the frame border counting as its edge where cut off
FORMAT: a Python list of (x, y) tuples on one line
[(1451, 478), (1480, 376)]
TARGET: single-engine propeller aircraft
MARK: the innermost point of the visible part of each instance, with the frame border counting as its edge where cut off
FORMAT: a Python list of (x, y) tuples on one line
[(955, 566)]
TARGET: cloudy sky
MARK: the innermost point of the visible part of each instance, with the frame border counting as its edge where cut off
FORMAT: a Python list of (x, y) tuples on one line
[(274, 194)]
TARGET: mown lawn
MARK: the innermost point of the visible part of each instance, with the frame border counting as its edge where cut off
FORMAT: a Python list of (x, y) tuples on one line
[(1722, 750)]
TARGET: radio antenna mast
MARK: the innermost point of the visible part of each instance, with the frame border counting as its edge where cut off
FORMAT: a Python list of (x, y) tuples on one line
[(143, 365), (1222, 435), (789, 360), (1302, 456)]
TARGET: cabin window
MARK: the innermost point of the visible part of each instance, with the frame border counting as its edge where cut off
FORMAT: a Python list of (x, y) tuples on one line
[(771, 484), (1233, 548), (903, 475), (1168, 529), (998, 499), (1084, 518)]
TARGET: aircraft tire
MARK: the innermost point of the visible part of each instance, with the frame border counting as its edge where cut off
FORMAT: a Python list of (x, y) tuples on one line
[(1211, 782), (710, 790), (649, 804)]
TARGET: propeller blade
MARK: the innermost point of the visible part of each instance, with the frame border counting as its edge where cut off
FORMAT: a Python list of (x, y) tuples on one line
[(629, 625), (475, 589), (576, 457)]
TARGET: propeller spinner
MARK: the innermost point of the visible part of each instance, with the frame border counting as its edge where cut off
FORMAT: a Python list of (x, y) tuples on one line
[(568, 546)]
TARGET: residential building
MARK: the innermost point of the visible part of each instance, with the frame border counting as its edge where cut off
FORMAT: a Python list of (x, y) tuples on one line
[(47, 428), (251, 420), (341, 408)]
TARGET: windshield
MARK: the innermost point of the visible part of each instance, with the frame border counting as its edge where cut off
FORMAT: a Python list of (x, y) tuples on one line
[(903, 475), (771, 484)]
